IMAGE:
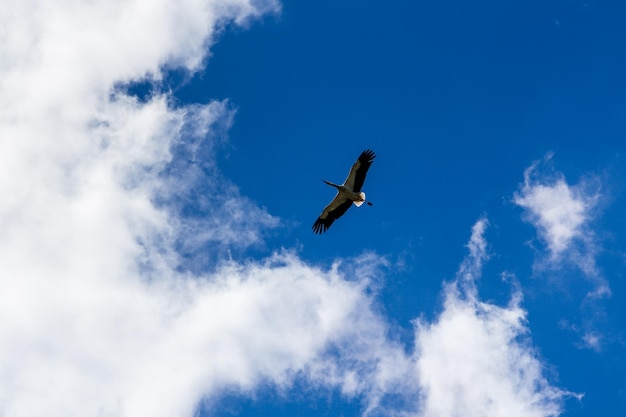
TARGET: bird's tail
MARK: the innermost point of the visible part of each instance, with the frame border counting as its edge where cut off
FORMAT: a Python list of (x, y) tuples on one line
[(360, 203)]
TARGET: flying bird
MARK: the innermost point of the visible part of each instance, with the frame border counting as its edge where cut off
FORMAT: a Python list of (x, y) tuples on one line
[(347, 194)]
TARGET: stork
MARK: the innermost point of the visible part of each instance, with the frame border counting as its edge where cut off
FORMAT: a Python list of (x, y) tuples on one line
[(347, 194)]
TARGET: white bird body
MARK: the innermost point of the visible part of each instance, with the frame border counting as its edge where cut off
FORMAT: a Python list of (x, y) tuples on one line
[(347, 194)]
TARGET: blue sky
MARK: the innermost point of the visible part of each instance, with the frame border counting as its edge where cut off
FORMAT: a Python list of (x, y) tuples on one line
[(160, 175)]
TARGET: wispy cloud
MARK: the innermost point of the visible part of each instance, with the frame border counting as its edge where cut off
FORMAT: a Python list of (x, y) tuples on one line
[(558, 210), (562, 214), (471, 266)]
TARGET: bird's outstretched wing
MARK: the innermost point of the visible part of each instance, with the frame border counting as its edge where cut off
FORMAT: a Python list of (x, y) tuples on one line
[(357, 174), (332, 212)]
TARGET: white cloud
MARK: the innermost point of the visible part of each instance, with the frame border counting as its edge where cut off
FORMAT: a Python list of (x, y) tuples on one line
[(472, 265), (86, 346), (592, 341), (562, 213), (101, 314), (559, 214), (476, 358), (559, 211)]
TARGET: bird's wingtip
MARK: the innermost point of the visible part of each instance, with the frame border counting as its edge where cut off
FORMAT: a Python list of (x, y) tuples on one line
[(368, 155)]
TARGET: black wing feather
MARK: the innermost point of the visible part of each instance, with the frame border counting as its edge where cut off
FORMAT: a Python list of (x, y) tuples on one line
[(322, 225), (366, 158)]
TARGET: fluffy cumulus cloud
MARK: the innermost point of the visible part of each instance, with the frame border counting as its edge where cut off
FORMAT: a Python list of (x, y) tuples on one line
[(476, 358), (107, 309)]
